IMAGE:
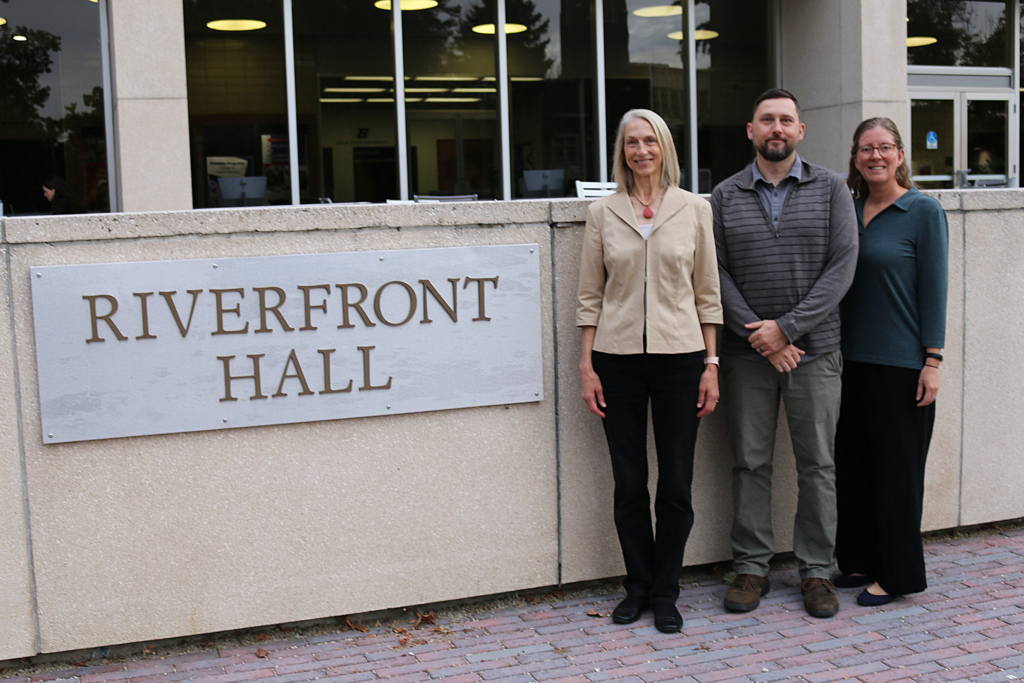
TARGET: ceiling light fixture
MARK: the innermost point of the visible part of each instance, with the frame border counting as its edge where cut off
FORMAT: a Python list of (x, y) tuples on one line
[(474, 90), (919, 41), (699, 34), (355, 89), (659, 11), (489, 29), (525, 79), (2, 21), (452, 99), (446, 78), (346, 100), (387, 79), (426, 90), (20, 39), (406, 5), (236, 24)]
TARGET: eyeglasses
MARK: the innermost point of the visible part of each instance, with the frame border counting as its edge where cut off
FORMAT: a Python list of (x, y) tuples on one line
[(885, 150)]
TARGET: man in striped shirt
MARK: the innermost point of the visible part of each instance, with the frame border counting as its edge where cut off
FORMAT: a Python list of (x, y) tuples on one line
[(786, 236)]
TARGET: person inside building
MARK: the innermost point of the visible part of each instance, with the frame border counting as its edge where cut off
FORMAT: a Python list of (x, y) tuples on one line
[(648, 308), (62, 199), (893, 328)]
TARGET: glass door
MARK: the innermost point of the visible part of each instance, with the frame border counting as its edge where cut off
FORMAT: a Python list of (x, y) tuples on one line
[(934, 145), (962, 140)]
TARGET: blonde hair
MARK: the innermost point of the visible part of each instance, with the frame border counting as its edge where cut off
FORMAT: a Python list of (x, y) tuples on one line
[(622, 174)]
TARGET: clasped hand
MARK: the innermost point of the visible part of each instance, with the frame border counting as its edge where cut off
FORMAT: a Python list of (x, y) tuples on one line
[(770, 341)]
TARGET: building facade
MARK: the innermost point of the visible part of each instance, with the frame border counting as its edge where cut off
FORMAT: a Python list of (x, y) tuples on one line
[(171, 104)]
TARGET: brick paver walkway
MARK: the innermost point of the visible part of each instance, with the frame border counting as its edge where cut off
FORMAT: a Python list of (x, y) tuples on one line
[(969, 625)]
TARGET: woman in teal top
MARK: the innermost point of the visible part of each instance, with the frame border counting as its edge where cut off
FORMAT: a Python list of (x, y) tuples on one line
[(893, 331)]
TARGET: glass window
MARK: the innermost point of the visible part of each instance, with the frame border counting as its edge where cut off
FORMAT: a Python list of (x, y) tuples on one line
[(551, 68), (52, 120), (238, 117), (645, 67), (345, 98), (450, 53), (734, 66), (959, 32)]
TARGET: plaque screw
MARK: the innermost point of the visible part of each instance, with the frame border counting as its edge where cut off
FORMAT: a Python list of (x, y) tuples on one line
[(381, 258), (531, 251), (39, 274), (389, 406), (214, 265), (225, 419), (49, 436), (536, 393)]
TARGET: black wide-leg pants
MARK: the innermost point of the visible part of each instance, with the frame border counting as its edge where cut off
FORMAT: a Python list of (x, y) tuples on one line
[(881, 446), (670, 383)]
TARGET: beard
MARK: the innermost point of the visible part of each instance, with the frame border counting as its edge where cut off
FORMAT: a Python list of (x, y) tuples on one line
[(774, 153)]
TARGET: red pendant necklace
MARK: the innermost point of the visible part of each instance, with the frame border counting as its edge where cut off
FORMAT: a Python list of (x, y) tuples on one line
[(648, 211)]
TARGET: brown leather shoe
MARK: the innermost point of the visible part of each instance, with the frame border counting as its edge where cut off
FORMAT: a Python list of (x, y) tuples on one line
[(746, 592), (820, 599)]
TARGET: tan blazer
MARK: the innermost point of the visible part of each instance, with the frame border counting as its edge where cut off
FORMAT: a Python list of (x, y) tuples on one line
[(681, 272)]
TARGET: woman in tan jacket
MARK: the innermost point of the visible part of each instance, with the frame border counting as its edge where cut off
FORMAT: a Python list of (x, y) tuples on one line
[(648, 308)]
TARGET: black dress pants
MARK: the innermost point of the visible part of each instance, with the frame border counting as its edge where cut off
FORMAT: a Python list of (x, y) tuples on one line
[(670, 384), (881, 446)]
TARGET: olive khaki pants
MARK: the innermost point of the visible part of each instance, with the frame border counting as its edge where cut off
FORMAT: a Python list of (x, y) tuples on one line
[(751, 391)]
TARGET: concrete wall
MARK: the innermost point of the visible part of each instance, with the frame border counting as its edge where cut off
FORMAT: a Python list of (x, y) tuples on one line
[(147, 46), (845, 62), (151, 537)]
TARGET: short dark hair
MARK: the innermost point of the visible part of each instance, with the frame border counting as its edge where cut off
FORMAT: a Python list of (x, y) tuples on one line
[(774, 94)]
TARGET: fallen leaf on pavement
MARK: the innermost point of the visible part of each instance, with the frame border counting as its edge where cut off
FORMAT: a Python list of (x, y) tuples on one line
[(593, 613), (262, 653)]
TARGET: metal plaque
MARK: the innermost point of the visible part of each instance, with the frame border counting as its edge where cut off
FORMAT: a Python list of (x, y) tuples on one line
[(128, 349)]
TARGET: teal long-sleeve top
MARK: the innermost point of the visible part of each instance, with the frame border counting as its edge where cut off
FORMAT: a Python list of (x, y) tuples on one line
[(897, 304)]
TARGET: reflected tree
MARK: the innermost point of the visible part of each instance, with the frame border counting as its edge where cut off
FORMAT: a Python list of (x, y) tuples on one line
[(963, 36), (22, 97)]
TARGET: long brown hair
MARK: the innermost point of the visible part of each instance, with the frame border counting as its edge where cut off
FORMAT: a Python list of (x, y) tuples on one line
[(854, 179)]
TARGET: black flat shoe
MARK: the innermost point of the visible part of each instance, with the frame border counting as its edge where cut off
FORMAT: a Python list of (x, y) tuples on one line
[(871, 600), (667, 618), (630, 609), (851, 580)]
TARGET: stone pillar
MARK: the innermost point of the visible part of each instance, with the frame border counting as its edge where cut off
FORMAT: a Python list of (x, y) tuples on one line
[(147, 44), (845, 62)]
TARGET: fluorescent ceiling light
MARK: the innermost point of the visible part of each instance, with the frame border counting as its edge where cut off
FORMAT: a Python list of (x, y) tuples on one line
[(474, 90), (426, 90), (236, 24), (446, 78), (659, 11), (379, 100), (697, 35), (918, 41), (522, 79), (2, 21), (489, 29), (345, 100), (370, 78), (406, 5), (452, 99), (20, 39), (355, 89)]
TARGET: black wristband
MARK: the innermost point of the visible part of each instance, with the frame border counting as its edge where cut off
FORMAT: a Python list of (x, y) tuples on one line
[(936, 356)]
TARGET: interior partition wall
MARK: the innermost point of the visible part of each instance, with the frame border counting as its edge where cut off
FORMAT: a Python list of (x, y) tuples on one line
[(307, 101)]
